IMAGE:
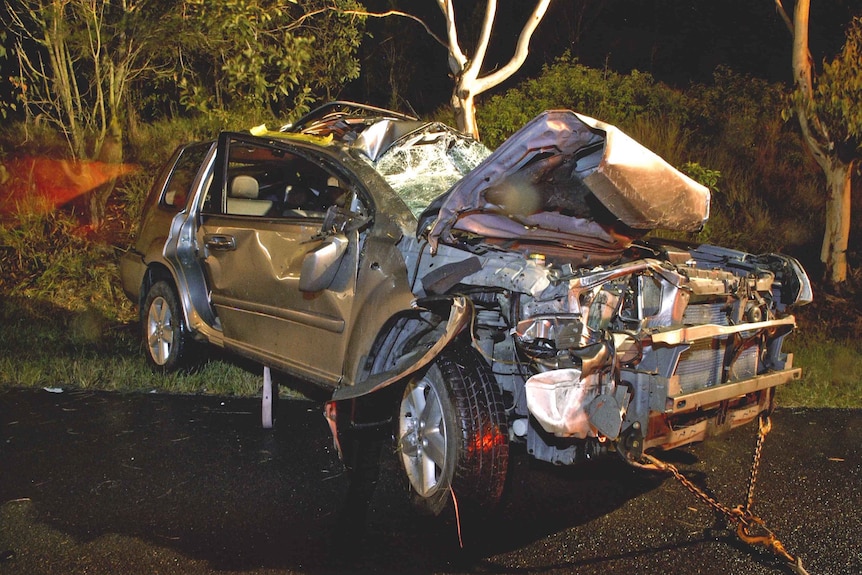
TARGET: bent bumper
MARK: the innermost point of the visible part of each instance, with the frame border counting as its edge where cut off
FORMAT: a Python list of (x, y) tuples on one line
[(696, 416)]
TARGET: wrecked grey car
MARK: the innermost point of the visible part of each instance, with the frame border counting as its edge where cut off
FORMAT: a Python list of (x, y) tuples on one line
[(464, 300)]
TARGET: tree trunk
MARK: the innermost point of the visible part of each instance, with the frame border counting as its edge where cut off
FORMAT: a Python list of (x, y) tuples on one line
[(62, 76), (111, 152), (465, 111), (833, 253)]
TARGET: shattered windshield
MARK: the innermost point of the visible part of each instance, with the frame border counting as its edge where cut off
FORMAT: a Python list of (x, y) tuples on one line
[(424, 166)]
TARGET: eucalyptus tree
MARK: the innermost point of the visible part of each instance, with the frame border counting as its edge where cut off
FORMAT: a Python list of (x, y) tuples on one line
[(830, 117), (76, 63), (466, 67)]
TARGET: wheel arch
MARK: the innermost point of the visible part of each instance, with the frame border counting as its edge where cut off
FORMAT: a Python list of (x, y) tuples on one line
[(430, 326), (155, 273), (365, 406), (200, 324), (478, 436)]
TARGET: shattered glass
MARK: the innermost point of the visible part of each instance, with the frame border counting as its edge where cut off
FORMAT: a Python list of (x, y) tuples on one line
[(421, 169)]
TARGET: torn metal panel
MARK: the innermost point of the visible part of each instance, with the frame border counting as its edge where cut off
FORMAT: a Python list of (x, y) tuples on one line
[(568, 178), (643, 190), (376, 139)]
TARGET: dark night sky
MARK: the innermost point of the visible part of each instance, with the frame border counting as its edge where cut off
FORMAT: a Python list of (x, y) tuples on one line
[(678, 41)]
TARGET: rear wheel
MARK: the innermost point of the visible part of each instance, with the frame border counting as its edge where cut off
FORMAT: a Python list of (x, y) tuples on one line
[(452, 433), (164, 337)]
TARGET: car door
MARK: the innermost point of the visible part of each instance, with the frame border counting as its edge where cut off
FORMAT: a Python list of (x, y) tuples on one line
[(260, 223)]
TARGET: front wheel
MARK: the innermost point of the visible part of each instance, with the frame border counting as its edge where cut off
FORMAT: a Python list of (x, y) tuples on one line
[(452, 433), (164, 336)]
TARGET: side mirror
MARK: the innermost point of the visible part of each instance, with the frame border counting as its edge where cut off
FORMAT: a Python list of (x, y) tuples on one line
[(321, 264)]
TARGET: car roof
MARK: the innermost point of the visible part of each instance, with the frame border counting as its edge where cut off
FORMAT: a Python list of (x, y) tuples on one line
[(342, 117), (368, 129)]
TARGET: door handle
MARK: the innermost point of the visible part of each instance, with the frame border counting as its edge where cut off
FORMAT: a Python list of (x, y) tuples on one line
[(221, 242)]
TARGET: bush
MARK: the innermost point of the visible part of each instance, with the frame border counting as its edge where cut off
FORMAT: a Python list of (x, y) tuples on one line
[(152, 144), (45, 256), (623, 100), (37, 139)]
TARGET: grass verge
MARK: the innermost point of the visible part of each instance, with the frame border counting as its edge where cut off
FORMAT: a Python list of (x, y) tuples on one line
[(831, 372), (45, 346)]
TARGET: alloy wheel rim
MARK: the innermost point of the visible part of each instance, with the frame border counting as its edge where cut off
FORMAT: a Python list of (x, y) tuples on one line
[(422, 438), (160, 330)]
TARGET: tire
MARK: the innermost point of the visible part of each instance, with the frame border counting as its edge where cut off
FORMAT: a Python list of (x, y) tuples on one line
[(165, 339), (452, 433)]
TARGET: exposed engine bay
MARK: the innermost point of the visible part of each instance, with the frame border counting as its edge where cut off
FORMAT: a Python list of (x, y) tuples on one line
[(667, 347)]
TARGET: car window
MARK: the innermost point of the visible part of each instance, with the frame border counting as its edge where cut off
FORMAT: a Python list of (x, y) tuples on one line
[(178, 187), (267, 181)]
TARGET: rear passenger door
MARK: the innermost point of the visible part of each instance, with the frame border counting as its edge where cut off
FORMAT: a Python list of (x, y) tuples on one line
[(260, 218)]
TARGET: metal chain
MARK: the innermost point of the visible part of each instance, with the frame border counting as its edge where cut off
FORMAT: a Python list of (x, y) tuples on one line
[(740, 516), (764, 427)]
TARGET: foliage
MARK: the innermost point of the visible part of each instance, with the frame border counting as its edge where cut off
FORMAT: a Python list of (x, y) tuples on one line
[(132, 191), (44, 256), (10, 104), (766, 202), (77, 59), (17, 139), (705, 176), (612, 97), (262, 55), (88, 67), (337, 33), (831, 371), (839, 93), (732, 104)]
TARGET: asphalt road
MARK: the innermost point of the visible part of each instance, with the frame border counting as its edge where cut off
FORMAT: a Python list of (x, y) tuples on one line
[(107, 483)]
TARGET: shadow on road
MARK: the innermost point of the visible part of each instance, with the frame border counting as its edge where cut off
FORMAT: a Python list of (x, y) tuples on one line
[(105, 483), (198, 475)]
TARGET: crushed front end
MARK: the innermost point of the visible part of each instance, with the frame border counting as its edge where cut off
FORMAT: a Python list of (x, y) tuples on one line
[(657, 352), (671, 345)]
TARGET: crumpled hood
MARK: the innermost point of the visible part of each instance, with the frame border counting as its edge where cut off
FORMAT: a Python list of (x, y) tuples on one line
[(570, 180)]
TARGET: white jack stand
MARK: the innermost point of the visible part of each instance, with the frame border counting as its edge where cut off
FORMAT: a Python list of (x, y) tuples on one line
[(266, 399)]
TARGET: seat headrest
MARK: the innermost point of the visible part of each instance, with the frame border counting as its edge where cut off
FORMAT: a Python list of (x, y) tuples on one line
[(244, 187)]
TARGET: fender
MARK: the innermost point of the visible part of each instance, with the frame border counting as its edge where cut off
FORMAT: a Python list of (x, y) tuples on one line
[(460, 315)]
